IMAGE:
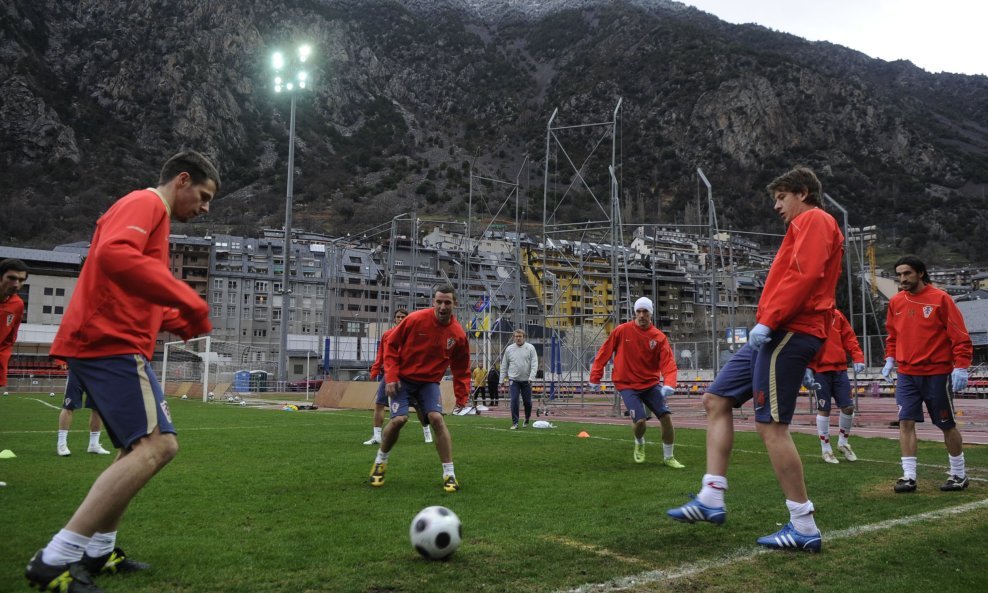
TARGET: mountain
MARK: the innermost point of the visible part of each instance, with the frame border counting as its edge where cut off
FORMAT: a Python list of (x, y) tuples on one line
[(408, 95)]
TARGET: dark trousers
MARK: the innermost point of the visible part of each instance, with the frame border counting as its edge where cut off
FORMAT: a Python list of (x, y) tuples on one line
[(523, 388)]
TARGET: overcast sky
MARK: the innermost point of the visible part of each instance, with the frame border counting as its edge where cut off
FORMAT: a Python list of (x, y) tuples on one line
[(936, 35)]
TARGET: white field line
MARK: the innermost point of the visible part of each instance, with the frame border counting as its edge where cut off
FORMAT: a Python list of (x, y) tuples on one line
[(41, 401), (805, 457), (597, 550), (743, 554)]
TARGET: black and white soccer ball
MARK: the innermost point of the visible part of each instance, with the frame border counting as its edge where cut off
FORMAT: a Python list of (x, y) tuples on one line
[(436, 532)]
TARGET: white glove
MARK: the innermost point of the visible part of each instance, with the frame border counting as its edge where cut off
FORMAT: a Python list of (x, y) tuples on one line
[(668, 391), (859, 367), (809, 380), (595, 387), (887, 369), (759, 336), (958, 378)]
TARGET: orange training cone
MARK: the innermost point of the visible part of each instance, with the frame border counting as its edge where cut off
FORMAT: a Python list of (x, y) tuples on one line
[(583, 435)]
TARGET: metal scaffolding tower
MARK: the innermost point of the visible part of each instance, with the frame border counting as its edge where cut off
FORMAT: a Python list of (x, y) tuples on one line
[(581, 303)]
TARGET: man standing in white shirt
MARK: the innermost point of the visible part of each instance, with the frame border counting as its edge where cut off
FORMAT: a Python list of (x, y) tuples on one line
[(519, 365)]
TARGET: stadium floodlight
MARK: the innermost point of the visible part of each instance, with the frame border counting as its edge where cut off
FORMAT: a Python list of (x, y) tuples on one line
[(289, 77)]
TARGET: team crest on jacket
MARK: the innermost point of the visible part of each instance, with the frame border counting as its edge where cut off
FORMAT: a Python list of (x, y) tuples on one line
[(10, 319), (652, 344), (450, 342), (927, 310)]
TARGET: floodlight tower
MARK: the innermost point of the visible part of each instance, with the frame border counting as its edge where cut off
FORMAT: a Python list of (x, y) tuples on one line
[(290, 76)]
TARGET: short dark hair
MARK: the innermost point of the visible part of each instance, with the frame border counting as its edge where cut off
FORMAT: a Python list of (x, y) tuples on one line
[(445, 289), (799, 179), (916, 264), (399, 310), (12, 264), (195, 164)]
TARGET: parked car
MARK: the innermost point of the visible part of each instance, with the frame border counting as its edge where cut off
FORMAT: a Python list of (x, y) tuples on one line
[(305, 385), (362, 376)]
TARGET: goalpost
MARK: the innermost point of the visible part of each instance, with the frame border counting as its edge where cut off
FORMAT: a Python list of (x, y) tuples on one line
[(210, 365)]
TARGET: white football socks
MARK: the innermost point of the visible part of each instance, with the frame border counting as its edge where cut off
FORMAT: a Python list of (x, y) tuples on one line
[(101, 544), (823, 430), (845, 422), (957, 465), (909, 468), (712, 492), (801, 517), (66, 547)]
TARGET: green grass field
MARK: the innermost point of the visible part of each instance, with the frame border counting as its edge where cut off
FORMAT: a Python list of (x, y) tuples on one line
[(271, 501)]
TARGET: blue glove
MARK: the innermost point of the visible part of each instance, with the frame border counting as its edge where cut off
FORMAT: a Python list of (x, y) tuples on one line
[(667, 391), (809, 380), (887, 369), (859, 367), (759, 336), (595, 387), (958, 379)]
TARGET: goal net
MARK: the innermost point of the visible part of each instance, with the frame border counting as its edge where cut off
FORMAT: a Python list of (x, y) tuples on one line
[(208, 368)]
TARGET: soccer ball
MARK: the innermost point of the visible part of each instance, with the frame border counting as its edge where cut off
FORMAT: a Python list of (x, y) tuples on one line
[(243, 404), (52, 394), (184, 396), (436, 532)]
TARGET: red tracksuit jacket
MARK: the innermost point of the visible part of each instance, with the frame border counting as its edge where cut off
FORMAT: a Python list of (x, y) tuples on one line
[(926, 333), (11, 312), (799, 291), (420, 350), (840, 342), (641, 358), (125, 286)]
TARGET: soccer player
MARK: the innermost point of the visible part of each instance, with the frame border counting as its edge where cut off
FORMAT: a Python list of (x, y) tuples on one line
[(125, 294), (519, 364), (644, 374), (13, 275), (381, 401), (929, 342), (827, 374), (793, 318), (72, 402), (416, 356)]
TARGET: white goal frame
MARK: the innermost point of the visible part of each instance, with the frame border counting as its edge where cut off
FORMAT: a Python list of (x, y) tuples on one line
[(205, 372)]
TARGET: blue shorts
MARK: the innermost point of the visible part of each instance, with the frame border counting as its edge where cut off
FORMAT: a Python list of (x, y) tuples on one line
[(424, 397), (635, 402), (127, 395), (382, 397), (912, 391), (771, 375), (74, 395), (834, 386)]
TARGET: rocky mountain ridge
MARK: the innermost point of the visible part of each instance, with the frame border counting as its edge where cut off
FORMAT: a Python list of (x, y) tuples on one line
[(409, 94)]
